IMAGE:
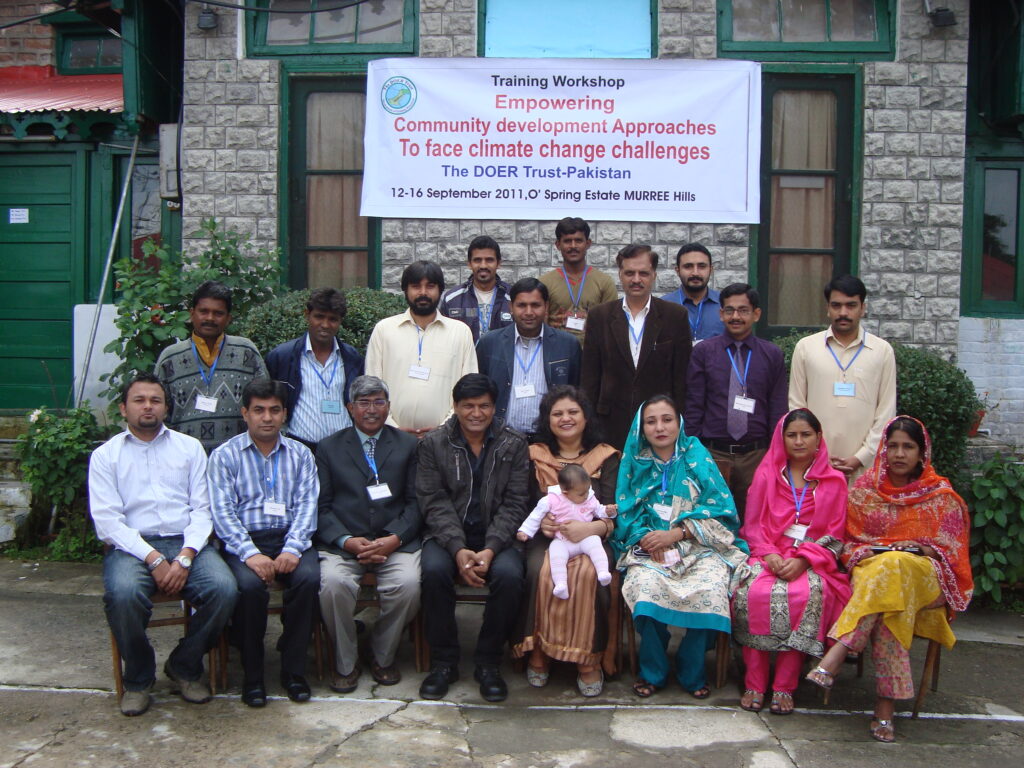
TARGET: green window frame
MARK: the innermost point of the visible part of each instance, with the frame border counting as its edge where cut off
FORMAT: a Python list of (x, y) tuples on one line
[(257, 45), (972, 299), (882, 48)]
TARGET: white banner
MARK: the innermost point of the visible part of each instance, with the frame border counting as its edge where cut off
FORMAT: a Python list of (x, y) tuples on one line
[(621, 140)]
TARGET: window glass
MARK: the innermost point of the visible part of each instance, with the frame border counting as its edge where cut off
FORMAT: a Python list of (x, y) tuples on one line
[(375, 21), (83, 53), (755, 20), (803, 21), (999, 237), (289, 28), (110, 53), (853, 20)]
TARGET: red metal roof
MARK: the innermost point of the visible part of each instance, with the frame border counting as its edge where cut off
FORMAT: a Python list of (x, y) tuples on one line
[(39, 89)]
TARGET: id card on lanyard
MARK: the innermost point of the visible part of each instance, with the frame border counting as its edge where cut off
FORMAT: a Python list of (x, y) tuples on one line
[(271, 506), (576, 317), (206, 403)]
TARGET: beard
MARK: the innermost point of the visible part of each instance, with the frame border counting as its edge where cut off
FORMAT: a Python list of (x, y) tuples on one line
[(423, 306)]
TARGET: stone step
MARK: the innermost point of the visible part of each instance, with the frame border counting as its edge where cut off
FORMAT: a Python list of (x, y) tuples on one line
[(9, 469), (982, 448), (15, 500), (13, 423)]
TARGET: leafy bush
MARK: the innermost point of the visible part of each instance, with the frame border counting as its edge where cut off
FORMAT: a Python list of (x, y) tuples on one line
[(152, 310), (282, 318), (995, 497), (932, 390)]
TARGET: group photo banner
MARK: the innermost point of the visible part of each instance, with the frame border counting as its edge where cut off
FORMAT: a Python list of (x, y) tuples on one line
[(622, 140)]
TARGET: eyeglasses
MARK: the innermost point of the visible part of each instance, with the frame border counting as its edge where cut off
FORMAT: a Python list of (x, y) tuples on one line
[(365, 404), (741, 311)]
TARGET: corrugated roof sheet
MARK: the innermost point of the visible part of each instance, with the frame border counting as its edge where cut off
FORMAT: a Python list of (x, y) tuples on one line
[(27, 89)]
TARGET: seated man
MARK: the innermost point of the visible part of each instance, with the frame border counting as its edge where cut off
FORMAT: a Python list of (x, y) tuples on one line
[(263, 489), (368, 521), (471, 484), (148, 499)]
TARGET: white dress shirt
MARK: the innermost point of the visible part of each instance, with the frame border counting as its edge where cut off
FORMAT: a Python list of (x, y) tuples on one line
[(635, 331)]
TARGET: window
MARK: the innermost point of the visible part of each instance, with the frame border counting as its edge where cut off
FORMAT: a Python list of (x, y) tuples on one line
[(993, 281), (805, 29), (804, 237), (321, 26), (89, 54), (568, 29)]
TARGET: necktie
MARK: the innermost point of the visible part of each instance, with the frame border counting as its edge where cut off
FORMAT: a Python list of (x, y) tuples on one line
[(736, 421), (371, 445)]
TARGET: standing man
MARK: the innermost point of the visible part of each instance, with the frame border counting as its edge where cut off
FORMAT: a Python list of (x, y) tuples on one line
[(736, 391), (636, 348), (263, 489), (369, 522), (575, 287), (693, 265), (847, 378), (206, 373), (420, 354), (471, 484), (318, 369), (148, 500), (527, 358), (482, 301)]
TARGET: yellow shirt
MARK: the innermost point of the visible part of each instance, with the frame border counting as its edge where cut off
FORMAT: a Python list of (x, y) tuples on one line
[(207, 354)]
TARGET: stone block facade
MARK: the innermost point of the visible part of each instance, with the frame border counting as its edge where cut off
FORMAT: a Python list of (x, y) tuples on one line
[(991, 350), (26, 45)]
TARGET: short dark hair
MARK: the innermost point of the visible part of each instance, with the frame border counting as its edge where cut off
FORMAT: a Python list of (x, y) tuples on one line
[(212, 289), (659, 399), (528, 285), (265, 389), (144, 377), (802, 414), (634, 250), (690, 248), (422, 270), (474, 385), (327, 300), (483, 242), (739, 289), (848, 284), (572, 476), (571, 225), (592, 433)]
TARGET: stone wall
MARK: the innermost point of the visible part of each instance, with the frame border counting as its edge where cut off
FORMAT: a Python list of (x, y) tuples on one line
[(29, 44), (991, 351)]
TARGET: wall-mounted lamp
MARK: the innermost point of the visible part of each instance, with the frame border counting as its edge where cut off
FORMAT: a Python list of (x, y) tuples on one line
[(941, 17), (207, 19)]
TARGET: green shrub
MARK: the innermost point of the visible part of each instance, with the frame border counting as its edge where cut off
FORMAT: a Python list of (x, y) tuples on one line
[(932, 390), (282, 318), (995, 496)]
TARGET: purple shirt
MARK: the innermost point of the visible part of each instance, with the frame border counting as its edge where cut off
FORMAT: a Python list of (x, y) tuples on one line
[(707, 388)]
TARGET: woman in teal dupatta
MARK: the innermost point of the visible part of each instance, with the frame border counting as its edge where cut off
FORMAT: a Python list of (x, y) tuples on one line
[(676, 540)]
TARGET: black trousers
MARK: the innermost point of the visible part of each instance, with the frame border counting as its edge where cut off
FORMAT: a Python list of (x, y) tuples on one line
[(249, 623), (505, 581)]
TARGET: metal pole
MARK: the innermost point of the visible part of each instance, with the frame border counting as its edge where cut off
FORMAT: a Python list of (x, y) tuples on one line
[(106, 274)]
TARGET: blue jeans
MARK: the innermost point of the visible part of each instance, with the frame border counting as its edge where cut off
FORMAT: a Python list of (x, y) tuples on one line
[(653, 654), (128, 589)]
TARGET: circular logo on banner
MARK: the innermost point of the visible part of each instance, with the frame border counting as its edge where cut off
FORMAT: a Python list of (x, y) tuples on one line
[(398, 95)]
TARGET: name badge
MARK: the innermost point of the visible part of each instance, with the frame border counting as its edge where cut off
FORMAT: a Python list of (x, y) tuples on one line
[(330, 406), (745, 404), (526, 390), (419, 372), (575, 321), (206, 404), (379, 492), (274, 508), (797, 532), (844, 389), (664, 511)]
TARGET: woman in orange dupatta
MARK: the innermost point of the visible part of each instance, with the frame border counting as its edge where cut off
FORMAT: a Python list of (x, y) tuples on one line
[(907, 549)]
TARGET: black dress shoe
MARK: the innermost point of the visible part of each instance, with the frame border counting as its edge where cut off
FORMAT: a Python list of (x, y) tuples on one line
[(435, 684), (492, 686), (254, 695), (296, 687)]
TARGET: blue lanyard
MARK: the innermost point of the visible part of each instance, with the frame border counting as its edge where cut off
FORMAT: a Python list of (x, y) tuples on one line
[(272, 480), (637, 337), (746, 368), (841, 368), (213, 368), (419, 344), (695, 329), (334, 370), (578, 297), (527, 366), (666, 468), (798, 503)]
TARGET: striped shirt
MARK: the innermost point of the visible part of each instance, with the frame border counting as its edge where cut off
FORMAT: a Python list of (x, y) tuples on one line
[(241, 479), (527, 369), (320, 384)]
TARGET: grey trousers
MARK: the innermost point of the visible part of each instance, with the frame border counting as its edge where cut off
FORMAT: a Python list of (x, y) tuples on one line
[(398, 584)]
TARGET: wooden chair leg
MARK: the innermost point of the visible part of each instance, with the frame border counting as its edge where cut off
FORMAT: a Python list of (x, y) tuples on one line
[(931, 663), (935, 670), (118, 679), (721, 659), (627, 622)]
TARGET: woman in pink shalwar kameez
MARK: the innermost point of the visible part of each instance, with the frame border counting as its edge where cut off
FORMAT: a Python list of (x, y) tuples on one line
[(794, 522)]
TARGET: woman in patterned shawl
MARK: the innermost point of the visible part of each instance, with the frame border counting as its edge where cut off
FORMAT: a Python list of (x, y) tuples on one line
[(907, 535), (796, 513), (675, 538)]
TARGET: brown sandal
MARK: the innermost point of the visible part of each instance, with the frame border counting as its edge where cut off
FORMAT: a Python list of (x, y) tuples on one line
[(385, 675), (756, 700), (643, 689)]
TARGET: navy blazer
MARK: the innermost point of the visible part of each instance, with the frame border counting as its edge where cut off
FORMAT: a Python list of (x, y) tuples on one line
[(495, 357), (284, 363)]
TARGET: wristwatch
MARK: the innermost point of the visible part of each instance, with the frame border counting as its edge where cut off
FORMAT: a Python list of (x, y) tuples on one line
[(184, 561), (159, 559)]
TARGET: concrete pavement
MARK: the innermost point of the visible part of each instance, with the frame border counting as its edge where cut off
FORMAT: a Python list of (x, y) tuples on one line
[(57, 707)]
